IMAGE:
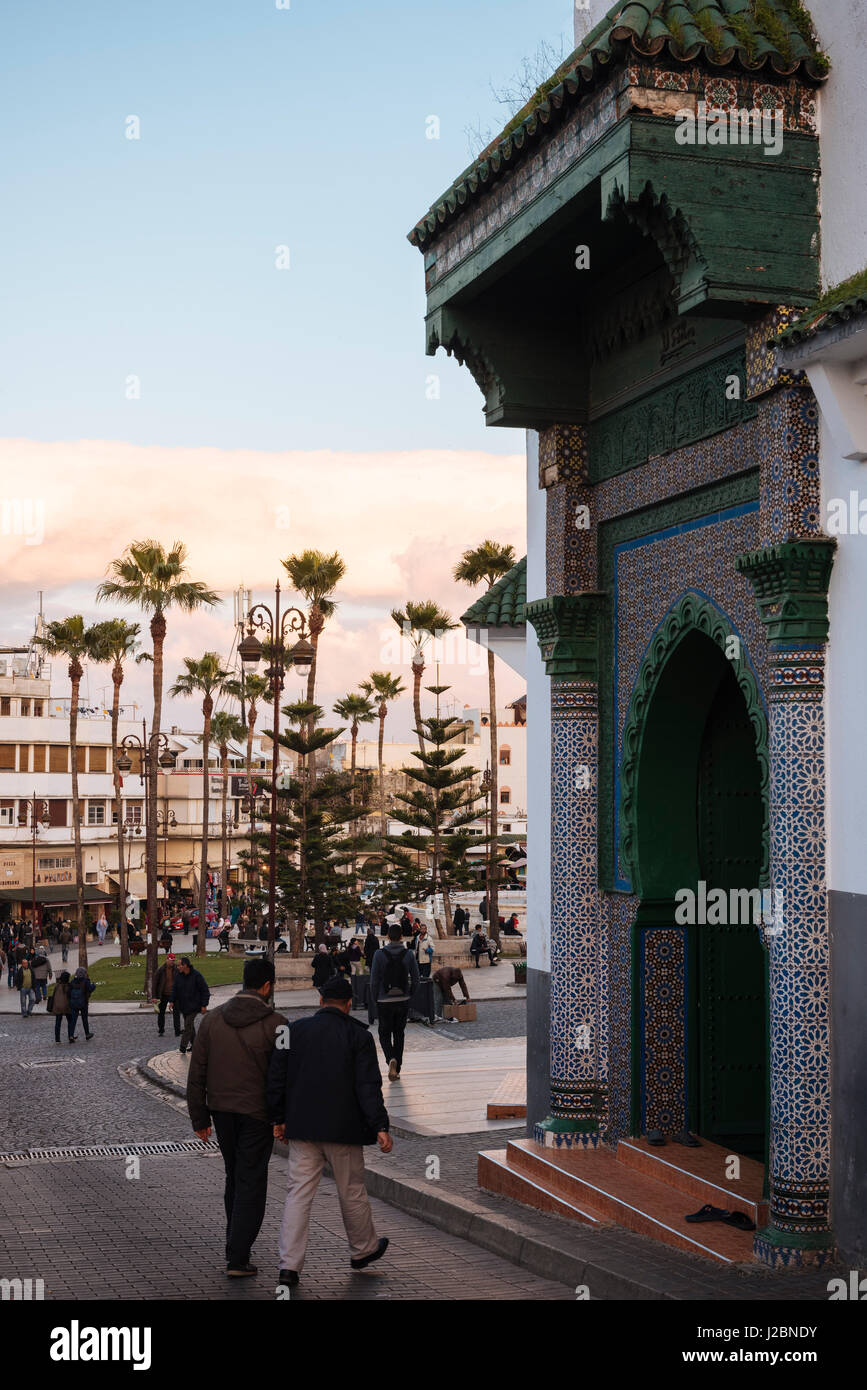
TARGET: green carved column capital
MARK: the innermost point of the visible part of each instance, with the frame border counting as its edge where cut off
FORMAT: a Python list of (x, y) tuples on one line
[(568, 629), (790, 583)]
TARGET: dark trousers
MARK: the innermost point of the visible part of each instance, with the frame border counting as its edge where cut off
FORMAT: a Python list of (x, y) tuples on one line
[(246, 1145), (73, 1020), (161, 1018), (189, 1032), (58, 1018), (424, 971), (392, 1027)]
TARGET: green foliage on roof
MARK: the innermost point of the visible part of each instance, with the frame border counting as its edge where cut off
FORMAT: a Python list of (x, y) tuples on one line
[(753, 35), (503, 604), (836, 306)]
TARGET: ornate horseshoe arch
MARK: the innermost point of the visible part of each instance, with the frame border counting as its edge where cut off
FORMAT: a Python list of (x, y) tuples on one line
[(691, 613)]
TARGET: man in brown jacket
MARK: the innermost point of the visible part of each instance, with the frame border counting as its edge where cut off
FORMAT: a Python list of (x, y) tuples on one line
[(226, 1083)]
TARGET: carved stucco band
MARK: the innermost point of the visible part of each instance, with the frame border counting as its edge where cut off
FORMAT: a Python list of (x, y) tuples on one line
[(690, 613), (568, 629)]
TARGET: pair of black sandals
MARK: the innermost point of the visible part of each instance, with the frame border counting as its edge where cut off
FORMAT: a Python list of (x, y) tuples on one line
[(738, 1219)]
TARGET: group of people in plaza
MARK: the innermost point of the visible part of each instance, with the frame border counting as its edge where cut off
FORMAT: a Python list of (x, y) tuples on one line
[(313, 1085)]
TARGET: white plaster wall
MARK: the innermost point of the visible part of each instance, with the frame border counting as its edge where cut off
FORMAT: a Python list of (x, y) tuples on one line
[(538, 735), (842, 29)]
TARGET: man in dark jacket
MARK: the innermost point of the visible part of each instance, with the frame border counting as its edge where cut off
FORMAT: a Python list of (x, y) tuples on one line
[(394, 980), (163, 987), (190, 995), (325, 1099), (226, 1084), (371, 944)]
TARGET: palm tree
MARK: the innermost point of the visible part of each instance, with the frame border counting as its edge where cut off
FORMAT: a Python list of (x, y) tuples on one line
[(315, 575), (250, 690), (420, 623), (225, 729), (114, 642), (155, 580), (357, 710), (489, 562), (204, 677), (69, 638), (382, 688)]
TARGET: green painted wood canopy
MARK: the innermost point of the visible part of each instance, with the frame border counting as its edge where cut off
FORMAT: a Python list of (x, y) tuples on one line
[(773, 36)]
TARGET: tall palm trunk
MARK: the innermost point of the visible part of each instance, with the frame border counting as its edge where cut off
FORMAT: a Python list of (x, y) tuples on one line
[(224, 769), (382, 713), (207, 711), (158, 637), (117, 681), (493, 865), (417, 673), (75, 674), (354, 733), (315, 624)]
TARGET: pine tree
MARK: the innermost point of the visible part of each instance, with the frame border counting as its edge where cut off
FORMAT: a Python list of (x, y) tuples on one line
[(313, 850), (442, 802)]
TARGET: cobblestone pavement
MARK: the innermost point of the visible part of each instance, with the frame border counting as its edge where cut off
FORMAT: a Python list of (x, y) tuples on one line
[(159, 1236)]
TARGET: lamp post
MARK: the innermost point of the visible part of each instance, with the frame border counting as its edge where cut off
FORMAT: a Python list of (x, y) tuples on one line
[(149, 758), (38, 812), (166, 821), (275, 628)]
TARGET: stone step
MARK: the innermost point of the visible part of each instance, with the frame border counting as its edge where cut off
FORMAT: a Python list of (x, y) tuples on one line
[(597, 1185), (509, 1101), (700, 1174), (497, 1176)]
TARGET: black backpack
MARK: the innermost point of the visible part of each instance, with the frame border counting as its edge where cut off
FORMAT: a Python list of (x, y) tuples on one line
[(396, 977)]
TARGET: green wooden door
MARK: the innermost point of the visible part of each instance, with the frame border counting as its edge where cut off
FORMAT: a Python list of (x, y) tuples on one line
[(731, 1006)]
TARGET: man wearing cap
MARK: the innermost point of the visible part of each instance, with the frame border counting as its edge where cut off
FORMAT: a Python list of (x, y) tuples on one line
[(163, 986), (325, 1102)]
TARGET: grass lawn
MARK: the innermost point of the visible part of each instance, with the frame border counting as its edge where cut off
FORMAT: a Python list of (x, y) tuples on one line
[(128, 981)]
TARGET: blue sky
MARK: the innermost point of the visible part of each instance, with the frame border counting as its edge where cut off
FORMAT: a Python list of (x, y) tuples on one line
[(260, 127)]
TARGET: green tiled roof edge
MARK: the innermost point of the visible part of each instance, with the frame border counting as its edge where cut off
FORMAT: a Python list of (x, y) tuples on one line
[(835, 307), (750, 34), (503, 604)]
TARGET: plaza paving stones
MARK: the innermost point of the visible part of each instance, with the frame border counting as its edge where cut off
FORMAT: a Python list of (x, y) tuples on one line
[(160, 1236)]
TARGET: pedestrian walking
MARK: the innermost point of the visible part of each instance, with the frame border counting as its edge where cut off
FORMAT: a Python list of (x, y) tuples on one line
[(325, 1099), (371, 944), (461, 919), (24, 985), (101, 927), (163, 986), (81, 987), (65, 938), (226, 1085), (190, 995), (424, 953), (59, 1006), (323, 966), (393, 981), (42, 973)]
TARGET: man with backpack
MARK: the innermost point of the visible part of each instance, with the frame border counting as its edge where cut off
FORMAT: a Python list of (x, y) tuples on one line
[(394, 980)]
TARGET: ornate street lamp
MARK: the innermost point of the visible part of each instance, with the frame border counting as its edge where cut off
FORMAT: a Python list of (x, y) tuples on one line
[(38, 812), (149, 759), (276, 629)]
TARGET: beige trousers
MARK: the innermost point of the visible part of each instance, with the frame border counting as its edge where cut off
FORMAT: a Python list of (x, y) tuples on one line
[(305, 1163)]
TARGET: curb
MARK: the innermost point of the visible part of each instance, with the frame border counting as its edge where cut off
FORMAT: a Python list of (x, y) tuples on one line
[(504, 1236)]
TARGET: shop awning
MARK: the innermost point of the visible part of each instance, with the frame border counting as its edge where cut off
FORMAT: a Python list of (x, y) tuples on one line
[(63, 895)]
